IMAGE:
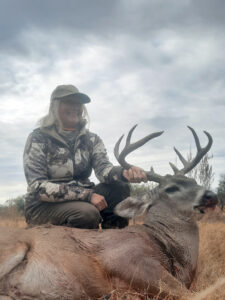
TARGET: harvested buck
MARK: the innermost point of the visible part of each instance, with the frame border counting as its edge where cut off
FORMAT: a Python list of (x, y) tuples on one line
[(50, 262)]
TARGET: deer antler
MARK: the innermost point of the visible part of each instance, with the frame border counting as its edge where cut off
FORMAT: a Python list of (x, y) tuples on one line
[(151, 175), (188, 166)]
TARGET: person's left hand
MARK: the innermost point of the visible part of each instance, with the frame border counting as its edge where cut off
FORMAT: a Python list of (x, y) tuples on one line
[(135, 174)]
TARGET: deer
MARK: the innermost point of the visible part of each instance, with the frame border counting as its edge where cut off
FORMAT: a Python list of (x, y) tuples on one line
[(158, 257)]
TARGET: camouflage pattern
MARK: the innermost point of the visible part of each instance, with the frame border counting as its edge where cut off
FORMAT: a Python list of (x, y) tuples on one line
[(57, 169)]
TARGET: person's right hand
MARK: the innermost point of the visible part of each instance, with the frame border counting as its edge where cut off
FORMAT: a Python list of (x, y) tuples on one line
[(98, 201)]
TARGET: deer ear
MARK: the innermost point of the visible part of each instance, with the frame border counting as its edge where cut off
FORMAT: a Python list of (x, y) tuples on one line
[(131, 207)]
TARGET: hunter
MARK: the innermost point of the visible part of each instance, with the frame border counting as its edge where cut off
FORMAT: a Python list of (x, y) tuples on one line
[(58, 160)]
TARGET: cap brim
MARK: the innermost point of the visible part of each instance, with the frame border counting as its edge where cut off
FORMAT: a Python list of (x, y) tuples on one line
[(77, 97)]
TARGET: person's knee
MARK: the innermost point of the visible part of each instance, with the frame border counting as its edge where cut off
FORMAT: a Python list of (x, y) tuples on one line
[(92, 217), (88, 218)]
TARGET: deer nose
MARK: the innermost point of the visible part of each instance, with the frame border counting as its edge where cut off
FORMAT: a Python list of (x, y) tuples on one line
[(210, 198)]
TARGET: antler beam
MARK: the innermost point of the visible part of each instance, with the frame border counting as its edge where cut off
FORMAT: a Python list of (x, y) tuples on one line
[(151, 175)]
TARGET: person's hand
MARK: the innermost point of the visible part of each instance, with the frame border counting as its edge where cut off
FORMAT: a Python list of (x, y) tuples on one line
[(98, 201), (135, 174)]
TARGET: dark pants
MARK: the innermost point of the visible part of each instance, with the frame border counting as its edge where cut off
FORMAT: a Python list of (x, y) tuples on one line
[(83, 214)]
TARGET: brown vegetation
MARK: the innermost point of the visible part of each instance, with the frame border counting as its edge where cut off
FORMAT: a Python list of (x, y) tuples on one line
[(10, 217), (211, 263), (209, 283), (19, 222)]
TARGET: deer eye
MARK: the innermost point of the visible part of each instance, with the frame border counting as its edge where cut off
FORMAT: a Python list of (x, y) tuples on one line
[(172, 189)]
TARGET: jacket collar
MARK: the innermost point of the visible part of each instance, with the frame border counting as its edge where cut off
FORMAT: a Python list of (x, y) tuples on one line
[(52, 131)]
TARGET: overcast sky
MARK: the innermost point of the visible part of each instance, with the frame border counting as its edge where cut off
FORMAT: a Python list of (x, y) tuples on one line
[(158, 63)]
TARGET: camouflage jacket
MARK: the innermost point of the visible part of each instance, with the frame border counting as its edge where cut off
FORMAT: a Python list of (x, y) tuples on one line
[(57, 170)]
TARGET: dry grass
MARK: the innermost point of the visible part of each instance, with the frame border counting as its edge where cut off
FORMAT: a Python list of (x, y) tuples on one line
[(209, 283), (12, 218), (18, 222), (211, 263)]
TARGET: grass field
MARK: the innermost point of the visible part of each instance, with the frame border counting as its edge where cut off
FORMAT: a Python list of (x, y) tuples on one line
[(211, 263), (209, 283), (12, 222)]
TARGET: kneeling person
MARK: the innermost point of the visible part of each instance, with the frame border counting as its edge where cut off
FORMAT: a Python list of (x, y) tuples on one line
[(58, 160)]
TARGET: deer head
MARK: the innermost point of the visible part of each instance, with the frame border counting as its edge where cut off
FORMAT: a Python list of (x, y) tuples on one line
[(176, 193)]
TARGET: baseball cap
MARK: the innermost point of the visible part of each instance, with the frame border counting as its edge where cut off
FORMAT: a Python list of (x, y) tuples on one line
[(69, 92)]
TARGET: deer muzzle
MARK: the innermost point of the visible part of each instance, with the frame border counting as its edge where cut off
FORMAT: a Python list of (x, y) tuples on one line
[(208, 200)]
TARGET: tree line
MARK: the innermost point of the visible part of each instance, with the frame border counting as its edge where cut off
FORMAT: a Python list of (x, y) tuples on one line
[(13, 207)]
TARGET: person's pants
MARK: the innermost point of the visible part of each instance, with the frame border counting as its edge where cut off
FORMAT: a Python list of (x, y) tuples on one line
[(83, 214)]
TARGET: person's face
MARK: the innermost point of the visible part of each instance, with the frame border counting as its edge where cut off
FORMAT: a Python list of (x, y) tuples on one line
[(70, 113)]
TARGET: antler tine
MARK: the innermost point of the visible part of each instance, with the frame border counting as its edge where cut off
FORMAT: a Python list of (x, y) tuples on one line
[(188, 166), (182, 159), (117, 146), (131, 147), (175, 169), (130, 134), (197, 143)]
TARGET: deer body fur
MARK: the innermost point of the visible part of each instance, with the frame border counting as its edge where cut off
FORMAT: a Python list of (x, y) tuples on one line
[(66, 263)]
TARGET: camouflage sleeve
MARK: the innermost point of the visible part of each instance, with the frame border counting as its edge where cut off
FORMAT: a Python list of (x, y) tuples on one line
[(104, 169), (35, 167)]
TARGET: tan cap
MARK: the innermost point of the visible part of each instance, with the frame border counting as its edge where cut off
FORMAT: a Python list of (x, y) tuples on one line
[(69, 92)]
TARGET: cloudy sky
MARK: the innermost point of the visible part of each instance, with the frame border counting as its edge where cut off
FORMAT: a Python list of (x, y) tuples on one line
[(158, 63)]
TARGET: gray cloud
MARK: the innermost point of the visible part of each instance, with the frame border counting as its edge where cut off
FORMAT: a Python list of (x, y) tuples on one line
[(12, 141), (106, 19)]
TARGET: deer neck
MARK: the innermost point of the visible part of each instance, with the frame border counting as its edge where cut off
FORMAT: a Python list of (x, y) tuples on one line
[(177, 236)]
